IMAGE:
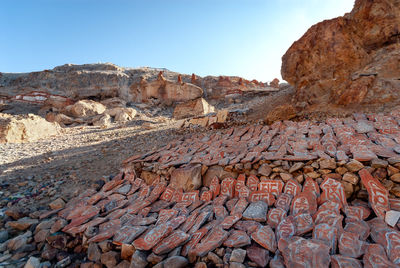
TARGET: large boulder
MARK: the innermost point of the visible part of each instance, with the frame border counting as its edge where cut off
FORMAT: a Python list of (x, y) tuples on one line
[(197, 107), (25, 128), (85, 108), (352, 59)]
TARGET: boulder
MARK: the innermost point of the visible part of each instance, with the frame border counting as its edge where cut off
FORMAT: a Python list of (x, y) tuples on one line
[(122, 114), (197, 107), (25, 128), (188, 178), (85, 108), (351, 59)]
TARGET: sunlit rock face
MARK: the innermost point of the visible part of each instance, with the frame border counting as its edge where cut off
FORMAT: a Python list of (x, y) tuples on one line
[(352, 59)]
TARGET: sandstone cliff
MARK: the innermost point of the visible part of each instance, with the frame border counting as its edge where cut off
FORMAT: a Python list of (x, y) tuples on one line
[(354, 59)]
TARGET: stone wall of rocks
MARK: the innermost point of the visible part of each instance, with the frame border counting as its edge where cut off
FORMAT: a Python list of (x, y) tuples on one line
[(192, 203)]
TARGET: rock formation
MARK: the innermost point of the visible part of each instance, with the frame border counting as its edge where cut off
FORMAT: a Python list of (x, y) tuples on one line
[(352, 59), (69, 83), (25, 128)]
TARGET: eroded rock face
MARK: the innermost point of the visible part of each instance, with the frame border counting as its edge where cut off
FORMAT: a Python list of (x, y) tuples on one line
[(352, 59), (26, 128), (195, 107)]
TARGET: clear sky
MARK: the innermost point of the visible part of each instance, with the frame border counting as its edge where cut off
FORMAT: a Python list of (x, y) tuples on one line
[(208, 37)]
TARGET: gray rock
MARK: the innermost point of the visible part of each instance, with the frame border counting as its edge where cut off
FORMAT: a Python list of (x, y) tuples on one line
[(363, 127), (296, 166), (238, 255), (19, 241), (214, 258), (139, 259), (3, 236), (32, 263), (256, 211), (93, 252), (176, 262)]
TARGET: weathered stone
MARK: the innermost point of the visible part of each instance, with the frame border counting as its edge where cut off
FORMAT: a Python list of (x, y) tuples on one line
[(93, 252), (176, 261), (213, 240), (392, 217), (258, 255), (327, 164), (264, 170), (139, 259), (237, 239), (238, 255), (174, 240), (110, 259), (22, 224), (188, 178), (297, 248), (265, 237), (354, 166), (32, 263), (339, 261), (19, 241), (378, 195), (197, 107), (214, 258), (256, 211), (57, 204), (350, 246)]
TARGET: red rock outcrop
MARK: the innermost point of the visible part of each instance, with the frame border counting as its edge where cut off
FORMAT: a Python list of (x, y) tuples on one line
[(352, 59)]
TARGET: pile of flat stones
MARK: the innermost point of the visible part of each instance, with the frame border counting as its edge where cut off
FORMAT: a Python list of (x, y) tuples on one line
[(315, 209)]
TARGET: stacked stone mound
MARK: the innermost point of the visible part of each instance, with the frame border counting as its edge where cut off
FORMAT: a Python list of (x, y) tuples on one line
[(294, 196), (352, 59)]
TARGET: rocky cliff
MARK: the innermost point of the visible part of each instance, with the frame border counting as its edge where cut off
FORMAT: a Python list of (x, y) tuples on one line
[(354, 59), (100, 81)]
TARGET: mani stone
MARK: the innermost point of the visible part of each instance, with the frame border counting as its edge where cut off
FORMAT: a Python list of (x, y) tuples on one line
[(256, 211)]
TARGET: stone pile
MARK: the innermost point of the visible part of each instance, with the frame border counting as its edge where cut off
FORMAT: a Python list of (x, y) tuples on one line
[(297, 194)]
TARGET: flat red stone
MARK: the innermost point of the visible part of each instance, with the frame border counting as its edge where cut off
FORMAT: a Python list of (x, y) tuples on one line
[(194, 240), (292, 187), (206, 196), (191, 196), (332, 190), (237, 239), (328, 234), (190, 221), (350, 245), (375, 256), (252, 183), (155, 235), (166, 214), (304, 203), (215, 187), (231, 220), (262, 196), (378, 194), (247, 226), (271, 186), (311, 185), (167, 194), (304, 223), (265, 237), (359, 228), (240, 206), (215, 239), (240, 182), (339, 261), (275, 216), (227, 187), (174, 240), (301, 252), (200, 220), (286, 228), (357, 212), (283, 201), (127, 234)]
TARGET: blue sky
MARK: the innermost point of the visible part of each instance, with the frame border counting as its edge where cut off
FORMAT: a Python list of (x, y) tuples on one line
[(207, 37)]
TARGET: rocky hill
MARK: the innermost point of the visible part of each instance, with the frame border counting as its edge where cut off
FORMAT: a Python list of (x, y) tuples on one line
[(353, 59), (101, 81)]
